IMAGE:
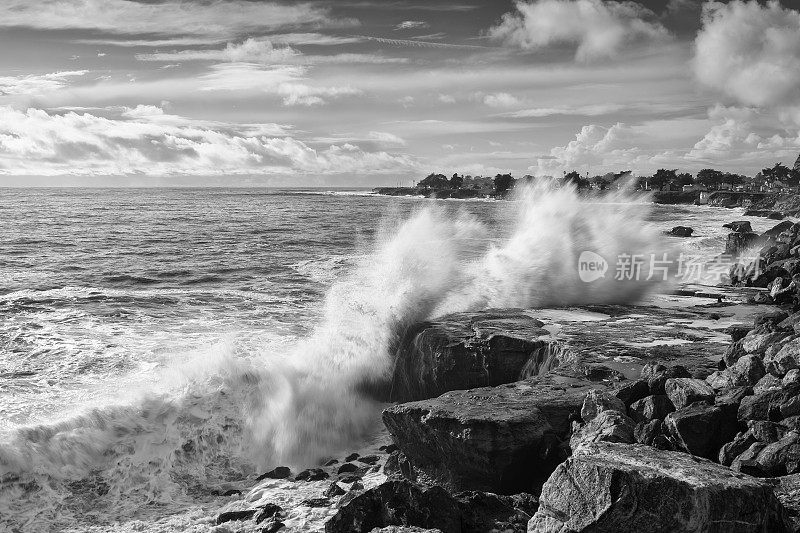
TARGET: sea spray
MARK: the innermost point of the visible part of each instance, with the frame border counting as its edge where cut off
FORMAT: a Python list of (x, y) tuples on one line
[(236, 416)]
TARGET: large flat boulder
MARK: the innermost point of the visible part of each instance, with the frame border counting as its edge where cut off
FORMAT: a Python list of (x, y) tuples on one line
[(503, 439), (620, 488), (468, 350)]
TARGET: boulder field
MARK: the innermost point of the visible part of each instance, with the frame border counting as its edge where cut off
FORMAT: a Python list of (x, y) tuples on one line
[(619, 419)]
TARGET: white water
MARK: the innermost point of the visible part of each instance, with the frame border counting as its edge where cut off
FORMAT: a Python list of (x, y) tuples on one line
[(219, 418)]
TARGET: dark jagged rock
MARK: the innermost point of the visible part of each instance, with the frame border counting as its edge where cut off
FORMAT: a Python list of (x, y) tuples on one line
[(597, 401), (632, 392), (468, 350), (331, 462), (787, 489), (733, 449), (282, 472), (352, 457), (334, 490), (768, 383), (787, 358), (484, 511), (398, 465), (231, 516), (683, 391), (268, 511), (657, 375), (312, 474), (346, 468), (740, 226), (739, 242), (608, 426), (273, 527), (744, 373), (681, 231), (651, 408), (646, 432), (502, 439), (369, 459), (771, 405), (397, 502), (781, 457), (738, 331), (632, 489), (733, 352), (701, 429)]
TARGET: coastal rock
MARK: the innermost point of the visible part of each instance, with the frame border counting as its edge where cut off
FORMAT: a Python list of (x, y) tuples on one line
[(397, 502), (755, 343), (683, 391), (501, 439), (738, 242), (651, 408), (608, 426), (657, 375), (467, 350), (745, 372), (792, 377), (771, 405), (701, 429), (780, 458), (787, 490), (681, 231), (787, 358), (632, 392), (647, 432), (738, 331), (597, 401), (733, 449), (739, 226), (632, 488), (733, 352), (768, 383), (281, 472)]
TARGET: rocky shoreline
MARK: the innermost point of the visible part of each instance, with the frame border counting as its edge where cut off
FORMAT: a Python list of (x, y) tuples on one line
[(677, 417)]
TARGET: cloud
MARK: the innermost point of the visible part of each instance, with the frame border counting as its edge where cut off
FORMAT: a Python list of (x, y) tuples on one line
[(500, 100), (36, 84), (591, 110), (750, 52), (386, 138), (729, 137), (599, 28), (446, 98), (286, 81), (594, 149), (249, 51), (142, 141), (412, 25), (170, 17)]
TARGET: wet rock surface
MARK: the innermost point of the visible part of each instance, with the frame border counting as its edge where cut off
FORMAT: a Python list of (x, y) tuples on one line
[(633, 488)]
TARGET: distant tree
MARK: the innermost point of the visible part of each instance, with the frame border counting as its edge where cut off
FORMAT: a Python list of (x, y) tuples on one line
[(684, 179), (732, 179), (601, 182), (456, 181), (782, 173), (503, 182), (662, 177), (434, 181), (710, 178), (575, 179)]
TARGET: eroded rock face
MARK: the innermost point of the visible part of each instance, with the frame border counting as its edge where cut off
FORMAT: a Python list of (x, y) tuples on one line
[(701, 429), (503, 439), (683, 391), (468, 350), (619, 488)]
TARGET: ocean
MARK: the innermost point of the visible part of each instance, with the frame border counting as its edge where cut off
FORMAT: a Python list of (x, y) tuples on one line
[(158, 346)]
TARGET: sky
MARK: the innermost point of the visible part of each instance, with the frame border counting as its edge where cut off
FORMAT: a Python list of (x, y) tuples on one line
[(383, 92)]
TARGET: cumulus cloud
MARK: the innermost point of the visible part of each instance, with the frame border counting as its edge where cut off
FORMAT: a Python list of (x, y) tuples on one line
[(727, 139), (286, 81), (137, 141), (386, 138), (36, 84), (124, 17), (598, 28), (594, 149), (750, 52), (500, 100)]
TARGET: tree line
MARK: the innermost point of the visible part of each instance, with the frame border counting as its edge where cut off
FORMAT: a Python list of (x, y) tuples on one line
[(709, 178)]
